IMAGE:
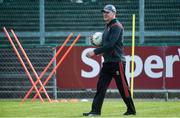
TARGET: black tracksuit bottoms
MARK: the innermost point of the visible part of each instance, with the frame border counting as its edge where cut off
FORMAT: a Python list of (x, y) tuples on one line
[(111, 70)]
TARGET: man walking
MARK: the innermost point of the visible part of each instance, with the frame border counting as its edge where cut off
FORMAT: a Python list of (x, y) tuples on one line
[(114, 63)]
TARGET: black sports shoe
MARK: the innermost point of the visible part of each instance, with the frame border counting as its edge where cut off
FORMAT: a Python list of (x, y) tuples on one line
[(129, 113), (91, 114)]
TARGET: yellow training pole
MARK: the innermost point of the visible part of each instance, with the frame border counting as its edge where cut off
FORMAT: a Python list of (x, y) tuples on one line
[(132, 61)]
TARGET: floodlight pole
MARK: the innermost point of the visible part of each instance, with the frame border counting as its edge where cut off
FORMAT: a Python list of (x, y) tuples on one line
[(141, 21), (54, 78), (41, 22)]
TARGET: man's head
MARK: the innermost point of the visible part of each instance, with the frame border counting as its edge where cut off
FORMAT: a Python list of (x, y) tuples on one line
[(109, 13)]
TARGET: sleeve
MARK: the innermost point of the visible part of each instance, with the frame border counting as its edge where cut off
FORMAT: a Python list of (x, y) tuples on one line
[(113, 38)]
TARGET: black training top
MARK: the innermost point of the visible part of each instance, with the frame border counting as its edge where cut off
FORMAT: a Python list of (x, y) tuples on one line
[(112, 42)]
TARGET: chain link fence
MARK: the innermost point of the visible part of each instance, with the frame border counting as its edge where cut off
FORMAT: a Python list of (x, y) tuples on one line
[(14, 82)]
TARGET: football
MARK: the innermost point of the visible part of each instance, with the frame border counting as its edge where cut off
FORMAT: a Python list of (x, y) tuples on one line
[(97, 39)]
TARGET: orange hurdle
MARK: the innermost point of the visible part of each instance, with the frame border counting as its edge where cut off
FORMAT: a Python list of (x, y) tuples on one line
[(45, 70), (22, 62), (30, 64), (59, 63)]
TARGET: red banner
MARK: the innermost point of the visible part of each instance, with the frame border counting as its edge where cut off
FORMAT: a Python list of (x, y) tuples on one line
[(156, 67)]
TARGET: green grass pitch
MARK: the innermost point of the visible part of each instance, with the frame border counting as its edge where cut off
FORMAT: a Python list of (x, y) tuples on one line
[(111, 109)]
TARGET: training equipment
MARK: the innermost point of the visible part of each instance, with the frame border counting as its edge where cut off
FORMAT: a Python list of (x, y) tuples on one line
[(23, 64), (30, 64), (97, 39), (38, 91), (47, 67), (133, 50), (58, 64)]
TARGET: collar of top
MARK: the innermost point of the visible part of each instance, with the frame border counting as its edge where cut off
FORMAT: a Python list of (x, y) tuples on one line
[(112, 21)]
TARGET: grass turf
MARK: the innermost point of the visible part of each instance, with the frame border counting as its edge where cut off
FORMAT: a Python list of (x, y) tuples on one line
[(111, 109)]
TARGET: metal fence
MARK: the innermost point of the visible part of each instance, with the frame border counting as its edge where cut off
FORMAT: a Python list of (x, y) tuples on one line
[(14, 82)]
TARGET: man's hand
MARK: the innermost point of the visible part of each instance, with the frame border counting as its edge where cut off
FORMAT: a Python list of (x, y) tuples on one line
[(90, 54)]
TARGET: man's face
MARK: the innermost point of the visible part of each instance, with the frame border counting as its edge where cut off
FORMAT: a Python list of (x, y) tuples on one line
[(108, 16)]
